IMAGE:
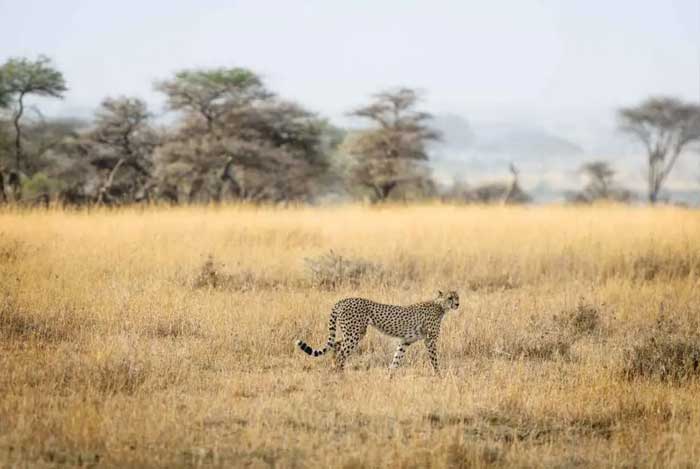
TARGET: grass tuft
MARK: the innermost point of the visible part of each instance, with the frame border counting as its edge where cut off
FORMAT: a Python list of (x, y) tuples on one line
[(665, 357), (331, 271)]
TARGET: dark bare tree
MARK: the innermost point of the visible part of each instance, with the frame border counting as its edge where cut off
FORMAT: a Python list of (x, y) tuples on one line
[(21, 77), (122, 142), (665, 126), (390, 153), (14, 180), (514, 188)]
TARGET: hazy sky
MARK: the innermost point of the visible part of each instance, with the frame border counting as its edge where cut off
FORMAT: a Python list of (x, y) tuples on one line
[(482, 59)]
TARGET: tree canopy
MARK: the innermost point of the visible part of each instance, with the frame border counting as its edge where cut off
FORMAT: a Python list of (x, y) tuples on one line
[(20, 77), (210, 92)]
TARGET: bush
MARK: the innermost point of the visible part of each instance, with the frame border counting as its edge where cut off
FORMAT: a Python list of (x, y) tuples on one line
[(175, 328), (209, 275), (671, 357), (584, 320), (40, 183), (552, 338), (16, 324), (332, 270), (212, 274), (492, 283), (545, 346)]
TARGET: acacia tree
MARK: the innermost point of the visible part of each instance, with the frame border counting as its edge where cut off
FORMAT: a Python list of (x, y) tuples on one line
[(123, 141), (195, 153), (20, 77), (390, 153), (236, 138), (665, 126), (601, 184)]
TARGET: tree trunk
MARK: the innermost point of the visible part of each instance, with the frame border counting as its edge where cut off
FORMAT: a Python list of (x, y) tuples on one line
[(15, 182), (651, 180), (653, 196), (18, 134), (195, 188), (227, 176), (3, 195), (169, 192), (654, 184), (108, 184), (382, 191), (513, 188)]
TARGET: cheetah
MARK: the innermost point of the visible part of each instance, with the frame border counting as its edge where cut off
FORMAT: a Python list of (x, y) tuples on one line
[(420, 321)]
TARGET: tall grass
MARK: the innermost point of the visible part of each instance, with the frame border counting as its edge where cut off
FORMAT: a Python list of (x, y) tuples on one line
[(164, 337)]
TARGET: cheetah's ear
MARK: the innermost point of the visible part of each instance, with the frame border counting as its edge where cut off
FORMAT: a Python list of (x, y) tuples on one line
[(440, 294)]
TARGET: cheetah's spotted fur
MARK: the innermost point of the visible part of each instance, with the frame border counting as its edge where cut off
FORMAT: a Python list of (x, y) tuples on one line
[(409, 324)]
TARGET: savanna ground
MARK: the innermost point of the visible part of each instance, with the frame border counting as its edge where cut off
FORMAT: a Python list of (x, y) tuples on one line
[(164, 337)]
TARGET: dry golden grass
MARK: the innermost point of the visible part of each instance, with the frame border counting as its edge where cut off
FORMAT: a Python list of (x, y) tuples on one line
[(164, 337)]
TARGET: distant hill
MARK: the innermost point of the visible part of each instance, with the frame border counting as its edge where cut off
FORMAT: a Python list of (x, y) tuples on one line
[(524, 143), (500, 140), (548, 161)]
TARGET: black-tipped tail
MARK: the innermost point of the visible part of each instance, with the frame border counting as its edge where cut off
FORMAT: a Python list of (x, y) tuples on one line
[(310, 350), (331, 338)]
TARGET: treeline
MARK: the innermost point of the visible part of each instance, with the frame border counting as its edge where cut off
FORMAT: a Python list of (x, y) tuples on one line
[(232, 138)]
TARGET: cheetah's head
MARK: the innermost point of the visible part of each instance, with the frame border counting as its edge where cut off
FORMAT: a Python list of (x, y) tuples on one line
[(448, 300)]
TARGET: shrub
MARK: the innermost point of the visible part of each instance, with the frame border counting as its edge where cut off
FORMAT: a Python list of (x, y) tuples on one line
[(175, 328), (552, 338), (545, 346), (583, 320), (213, 275), (332, 270), (493, 283), (40, 183), (119, 374), (11, 253), (209, 275), (669, 357), (16, 324)]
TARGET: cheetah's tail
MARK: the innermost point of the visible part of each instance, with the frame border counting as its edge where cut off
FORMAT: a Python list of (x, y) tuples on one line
[(329, 345)]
